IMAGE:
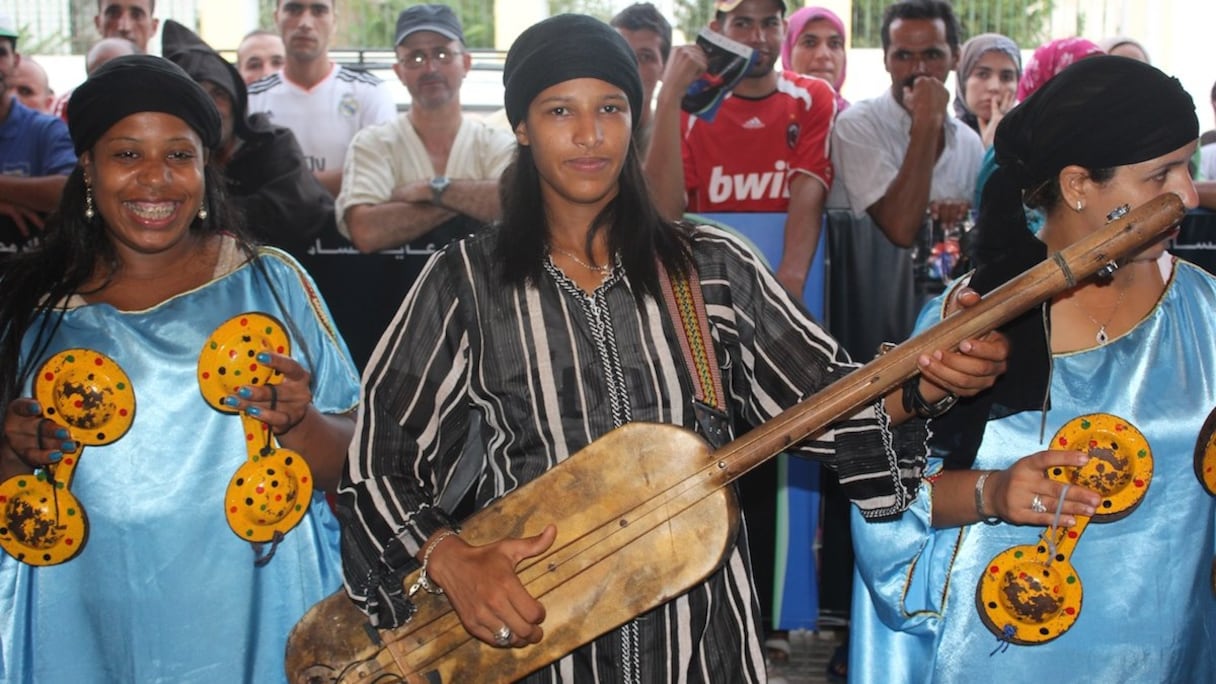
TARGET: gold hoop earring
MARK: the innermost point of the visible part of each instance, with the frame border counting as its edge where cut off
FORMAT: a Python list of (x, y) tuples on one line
[(88, 203)]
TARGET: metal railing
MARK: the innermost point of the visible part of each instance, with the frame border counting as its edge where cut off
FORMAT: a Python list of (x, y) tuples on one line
[(1026, 22)]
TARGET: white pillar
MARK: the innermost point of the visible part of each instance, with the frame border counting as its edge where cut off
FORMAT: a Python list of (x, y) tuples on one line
[(511, 17), (222, 23)]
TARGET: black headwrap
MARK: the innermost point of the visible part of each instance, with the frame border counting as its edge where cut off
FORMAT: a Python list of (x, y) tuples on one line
[(139, 83), (184, 48), (1099, 113), (566, 47)]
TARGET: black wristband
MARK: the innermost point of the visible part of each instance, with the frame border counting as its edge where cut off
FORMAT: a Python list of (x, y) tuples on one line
[(915, 403)]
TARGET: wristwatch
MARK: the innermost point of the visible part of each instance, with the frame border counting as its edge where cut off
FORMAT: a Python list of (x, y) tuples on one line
[(439, 184)]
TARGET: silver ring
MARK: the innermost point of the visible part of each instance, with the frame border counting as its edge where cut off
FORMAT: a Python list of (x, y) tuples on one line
[(503, 636), (1036, 505)]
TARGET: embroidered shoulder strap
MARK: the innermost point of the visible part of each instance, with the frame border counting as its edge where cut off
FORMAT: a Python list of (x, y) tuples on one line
[(685, 303)]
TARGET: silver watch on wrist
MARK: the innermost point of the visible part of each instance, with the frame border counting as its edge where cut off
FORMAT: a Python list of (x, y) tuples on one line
[(439, 185)]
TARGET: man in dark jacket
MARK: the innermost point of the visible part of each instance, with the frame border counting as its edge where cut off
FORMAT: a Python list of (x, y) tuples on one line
[(283, 203)]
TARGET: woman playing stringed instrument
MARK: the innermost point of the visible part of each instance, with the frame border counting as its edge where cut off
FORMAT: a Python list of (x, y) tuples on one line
[(1096, 561), (129, 339), (554, 328)]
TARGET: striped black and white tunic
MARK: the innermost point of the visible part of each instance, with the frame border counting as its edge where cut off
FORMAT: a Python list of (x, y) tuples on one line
[(550, 368)]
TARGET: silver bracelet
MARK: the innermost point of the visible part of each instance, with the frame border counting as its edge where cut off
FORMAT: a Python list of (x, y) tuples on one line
[(979, 499), (424, 580)]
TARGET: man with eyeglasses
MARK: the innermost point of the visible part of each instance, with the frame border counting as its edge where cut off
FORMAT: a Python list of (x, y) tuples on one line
[(410, 184), (323, 104), (432, 165)]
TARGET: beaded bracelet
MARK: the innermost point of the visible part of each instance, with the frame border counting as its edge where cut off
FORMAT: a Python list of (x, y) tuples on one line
[(424, 580)]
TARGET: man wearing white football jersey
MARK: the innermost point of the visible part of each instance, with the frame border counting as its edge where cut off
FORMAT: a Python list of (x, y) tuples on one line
[(323, 104)]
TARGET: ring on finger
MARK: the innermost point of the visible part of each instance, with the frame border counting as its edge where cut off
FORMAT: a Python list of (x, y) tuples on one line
[(503, 636), (274, 397), (1036, 504)]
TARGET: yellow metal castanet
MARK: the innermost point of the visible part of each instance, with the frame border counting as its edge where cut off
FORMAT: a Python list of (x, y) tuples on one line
[(1205, 454), (1031, 593), (90, 396), (270, 492), (641, 532)]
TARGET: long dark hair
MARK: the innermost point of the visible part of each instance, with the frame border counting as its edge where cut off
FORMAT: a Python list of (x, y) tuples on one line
[(71, 250), (636, 231)]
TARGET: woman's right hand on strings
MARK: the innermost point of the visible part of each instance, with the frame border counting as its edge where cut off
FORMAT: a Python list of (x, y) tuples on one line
[(31, 440), (1011, 492), (481, 584)]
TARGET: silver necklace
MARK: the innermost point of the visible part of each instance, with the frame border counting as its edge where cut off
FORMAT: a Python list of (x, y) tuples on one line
[(1102, 337), (602, 270)]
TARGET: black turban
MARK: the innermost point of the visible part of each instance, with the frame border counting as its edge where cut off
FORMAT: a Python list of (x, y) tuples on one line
[(1098, 113), (139, 83), (563, 48)]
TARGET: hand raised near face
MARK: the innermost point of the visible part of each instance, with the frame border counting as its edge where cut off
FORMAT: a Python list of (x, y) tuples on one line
[(685, 65), (926, 98)]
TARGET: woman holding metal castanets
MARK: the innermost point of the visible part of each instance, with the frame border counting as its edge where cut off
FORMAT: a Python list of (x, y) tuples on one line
[(170, 392), (1064, 535)]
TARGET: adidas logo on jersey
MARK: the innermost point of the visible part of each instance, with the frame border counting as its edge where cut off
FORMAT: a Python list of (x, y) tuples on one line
[(748, 186), (753, 123)]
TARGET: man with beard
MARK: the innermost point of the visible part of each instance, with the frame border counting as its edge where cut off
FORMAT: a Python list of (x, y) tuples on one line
[(432, 164), (904, 161), (323, 103), (782, 121), (283, 204)]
